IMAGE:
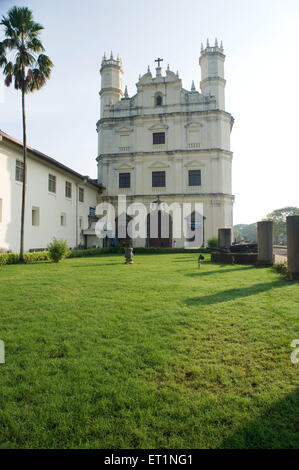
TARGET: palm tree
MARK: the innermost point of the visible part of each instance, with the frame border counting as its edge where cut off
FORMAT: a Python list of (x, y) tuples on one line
[(23, 62)]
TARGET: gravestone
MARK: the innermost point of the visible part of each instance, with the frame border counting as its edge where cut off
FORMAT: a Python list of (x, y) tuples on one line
[(293, 247), (224, 239), (265, 243)]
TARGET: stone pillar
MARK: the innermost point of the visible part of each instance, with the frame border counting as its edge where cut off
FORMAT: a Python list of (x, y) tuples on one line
[(224, 239), (265, 243), (293, 246)]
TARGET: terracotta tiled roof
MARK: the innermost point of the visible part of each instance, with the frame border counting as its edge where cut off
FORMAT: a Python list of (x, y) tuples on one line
[(51, 160)]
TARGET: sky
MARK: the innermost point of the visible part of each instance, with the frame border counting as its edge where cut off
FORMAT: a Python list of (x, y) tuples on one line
[(260, 39)]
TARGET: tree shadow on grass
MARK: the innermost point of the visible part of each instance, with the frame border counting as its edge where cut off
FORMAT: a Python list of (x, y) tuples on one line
[(221, 271), (277, 428), (95, 265), (233, 294), (185, 260)]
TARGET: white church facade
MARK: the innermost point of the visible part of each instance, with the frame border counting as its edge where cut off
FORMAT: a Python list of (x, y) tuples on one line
[(166, 143)]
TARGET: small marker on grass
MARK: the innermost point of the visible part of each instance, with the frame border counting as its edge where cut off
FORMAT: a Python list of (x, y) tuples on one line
[(200, 258)]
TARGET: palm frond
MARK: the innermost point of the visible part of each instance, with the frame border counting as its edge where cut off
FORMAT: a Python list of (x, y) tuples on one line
[(8, 80), (36, 28), (35, 45), (45, 65), (8, 69), (3, 60), (38, 81), (11, 43), (20, 81), (25, 59)]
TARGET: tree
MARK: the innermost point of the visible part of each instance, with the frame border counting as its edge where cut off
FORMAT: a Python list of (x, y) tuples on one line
[(23, 62), (279, 217), (245, 232)]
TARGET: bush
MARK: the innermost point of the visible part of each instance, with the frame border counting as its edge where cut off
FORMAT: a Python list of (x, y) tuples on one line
[(36, 256), (281, 268), (89, 252), (13, 258), (213, 242), (9, 258), (57, 250)]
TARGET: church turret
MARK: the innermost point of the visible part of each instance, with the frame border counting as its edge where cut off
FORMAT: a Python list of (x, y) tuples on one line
[(111, 82), (212, 72)]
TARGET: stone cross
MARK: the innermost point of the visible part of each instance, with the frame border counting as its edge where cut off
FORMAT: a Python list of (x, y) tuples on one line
[(159, 60)]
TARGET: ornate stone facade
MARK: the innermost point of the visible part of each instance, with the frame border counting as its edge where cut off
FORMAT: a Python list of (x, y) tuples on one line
[(167, 141)]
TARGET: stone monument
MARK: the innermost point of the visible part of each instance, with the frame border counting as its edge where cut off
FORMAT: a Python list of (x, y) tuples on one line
[(224, 239), (265, 243), (293, 247)]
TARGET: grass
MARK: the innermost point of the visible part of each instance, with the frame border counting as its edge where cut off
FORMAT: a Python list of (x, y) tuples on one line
[(154, 355)]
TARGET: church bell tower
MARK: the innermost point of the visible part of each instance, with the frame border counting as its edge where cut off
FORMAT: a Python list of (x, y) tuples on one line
[(212, 72), (111, 82)]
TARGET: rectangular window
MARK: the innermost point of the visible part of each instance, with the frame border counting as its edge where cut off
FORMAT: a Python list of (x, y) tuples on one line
[(125, 180), (92, 211), (68, 189), (194, 178), (158, 138), (19, 170), (52, 184), (80, 222), (81, 195), (1, 206), (63, 219), (35, 216), (158, 179)]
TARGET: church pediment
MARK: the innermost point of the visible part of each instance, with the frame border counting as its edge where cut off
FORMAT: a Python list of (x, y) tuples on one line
[(159, 165), (194, 125), (158, 127), (194, 164), (124, 130), (124, 166)]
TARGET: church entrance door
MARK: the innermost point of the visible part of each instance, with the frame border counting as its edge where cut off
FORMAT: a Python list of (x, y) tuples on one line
[(162, 237)]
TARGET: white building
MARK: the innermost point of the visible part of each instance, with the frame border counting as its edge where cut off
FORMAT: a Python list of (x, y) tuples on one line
[(168, 143), (59, 201)]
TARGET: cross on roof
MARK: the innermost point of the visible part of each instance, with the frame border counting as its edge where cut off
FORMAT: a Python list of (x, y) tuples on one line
[(159, 60)]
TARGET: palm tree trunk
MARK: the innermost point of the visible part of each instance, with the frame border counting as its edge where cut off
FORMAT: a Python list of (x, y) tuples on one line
[(24, 179)]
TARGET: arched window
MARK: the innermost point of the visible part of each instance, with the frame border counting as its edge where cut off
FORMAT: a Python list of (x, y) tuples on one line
[(159, 100)]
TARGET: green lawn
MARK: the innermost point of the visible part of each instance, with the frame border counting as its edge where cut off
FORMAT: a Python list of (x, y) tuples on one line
[(154, 355)]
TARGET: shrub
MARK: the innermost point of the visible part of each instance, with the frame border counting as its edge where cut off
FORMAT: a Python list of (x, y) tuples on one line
[(281, 268), (13, 258), (57, 250), (213, 242), (88, 252), (9, 258), (36, 256)]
